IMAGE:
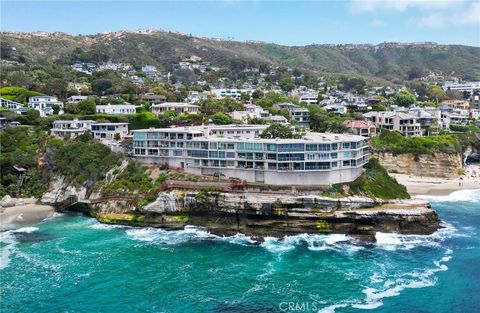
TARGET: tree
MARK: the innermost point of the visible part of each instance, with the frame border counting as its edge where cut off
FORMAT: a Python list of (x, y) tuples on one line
[(19, 78), (286, 83), (404, 98), (277, 131), (56, 109), (55, 86), (117, 137), (86, 107), (33, 116), (99, 86), (210, 105), (244, 96), (436, 93), (220, 118), (230, 105)]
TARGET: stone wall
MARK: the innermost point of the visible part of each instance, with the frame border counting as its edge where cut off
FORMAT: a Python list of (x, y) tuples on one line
[(431, 165)]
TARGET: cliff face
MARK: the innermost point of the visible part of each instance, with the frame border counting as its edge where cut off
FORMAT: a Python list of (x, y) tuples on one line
[(433, 165), (253, 214)]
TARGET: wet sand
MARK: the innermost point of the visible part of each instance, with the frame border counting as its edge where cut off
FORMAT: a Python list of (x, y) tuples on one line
[(20, 216)]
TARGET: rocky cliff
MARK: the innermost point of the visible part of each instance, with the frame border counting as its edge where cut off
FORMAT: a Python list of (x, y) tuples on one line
[(254, 214), (437, 164)]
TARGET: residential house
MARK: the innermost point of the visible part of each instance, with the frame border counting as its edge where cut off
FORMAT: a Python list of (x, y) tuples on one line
[(70, 128), (107, 131), (179, 107), (116, 109), (76, 99), (310, 98), (297, 114), (457, 104), (45, 104), (361, 128), (429, 118), (9, 104), (153, 98), (406, 124), (337, 108), (230, 92)]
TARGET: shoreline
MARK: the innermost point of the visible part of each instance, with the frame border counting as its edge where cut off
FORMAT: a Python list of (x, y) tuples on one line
[(436, 186), (15, 217)]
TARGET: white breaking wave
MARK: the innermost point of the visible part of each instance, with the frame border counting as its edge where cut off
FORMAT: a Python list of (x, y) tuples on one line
[(393, 287), (27, 230), (172, 237), (472, 195), (8, 238), (106, 226)]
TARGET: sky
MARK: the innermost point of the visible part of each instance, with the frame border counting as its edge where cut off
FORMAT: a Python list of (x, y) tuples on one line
[(282, 22)]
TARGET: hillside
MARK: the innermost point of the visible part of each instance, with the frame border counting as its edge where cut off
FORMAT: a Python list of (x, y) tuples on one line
[(391, 61)]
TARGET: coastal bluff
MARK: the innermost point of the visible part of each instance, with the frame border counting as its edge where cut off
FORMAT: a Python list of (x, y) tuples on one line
[(437, 164), (256, 214)]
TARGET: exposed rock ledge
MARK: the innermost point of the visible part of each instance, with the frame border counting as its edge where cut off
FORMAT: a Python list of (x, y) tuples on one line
[(259, 214)]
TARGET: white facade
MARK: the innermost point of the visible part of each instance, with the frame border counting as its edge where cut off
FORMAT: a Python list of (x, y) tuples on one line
[(116, 109), (179, 107), (70, 128), (309, 98), (315, 159), (407, 124), (44, 104), (107, 131), (9, 104), (230, 92), (467, 86)]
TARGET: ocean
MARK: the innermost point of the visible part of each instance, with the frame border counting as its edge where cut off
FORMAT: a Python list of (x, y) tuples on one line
[(72, 263)]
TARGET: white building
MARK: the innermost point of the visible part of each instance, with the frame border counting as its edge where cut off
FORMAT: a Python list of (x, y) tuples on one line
[(70, 128), (230, 92), (116, 109), (45, 104), (467, 86), (9, 104), (406, 124), (179, 107), (314, 159), (76, 99), (310, 98), (107, 131)]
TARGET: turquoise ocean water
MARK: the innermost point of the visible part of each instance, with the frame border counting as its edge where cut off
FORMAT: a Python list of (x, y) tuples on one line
[(71, 263)]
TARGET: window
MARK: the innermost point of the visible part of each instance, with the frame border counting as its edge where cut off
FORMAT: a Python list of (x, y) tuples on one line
[(199, 153), (346, 145), (334, 155), (310, 156), (310, 147), (324, 147)]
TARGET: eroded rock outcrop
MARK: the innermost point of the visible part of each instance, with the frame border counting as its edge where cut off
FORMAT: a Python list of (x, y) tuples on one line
[(432, 165)]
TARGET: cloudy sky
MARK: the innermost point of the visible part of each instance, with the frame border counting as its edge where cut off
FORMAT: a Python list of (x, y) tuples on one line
[(283, 22)]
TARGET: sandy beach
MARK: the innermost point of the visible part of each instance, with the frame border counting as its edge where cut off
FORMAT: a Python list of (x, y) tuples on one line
[(20, 216), (421, 185)]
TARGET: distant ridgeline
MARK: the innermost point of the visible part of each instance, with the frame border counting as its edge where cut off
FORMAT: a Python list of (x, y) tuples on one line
[(391, 61)]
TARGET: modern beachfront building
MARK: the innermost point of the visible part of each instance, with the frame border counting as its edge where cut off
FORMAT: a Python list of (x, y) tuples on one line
[(237, 152)]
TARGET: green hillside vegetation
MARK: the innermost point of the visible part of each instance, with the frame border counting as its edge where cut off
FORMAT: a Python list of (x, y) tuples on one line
[(374, 182), (391, 141), (18, 94), (386, 61)]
